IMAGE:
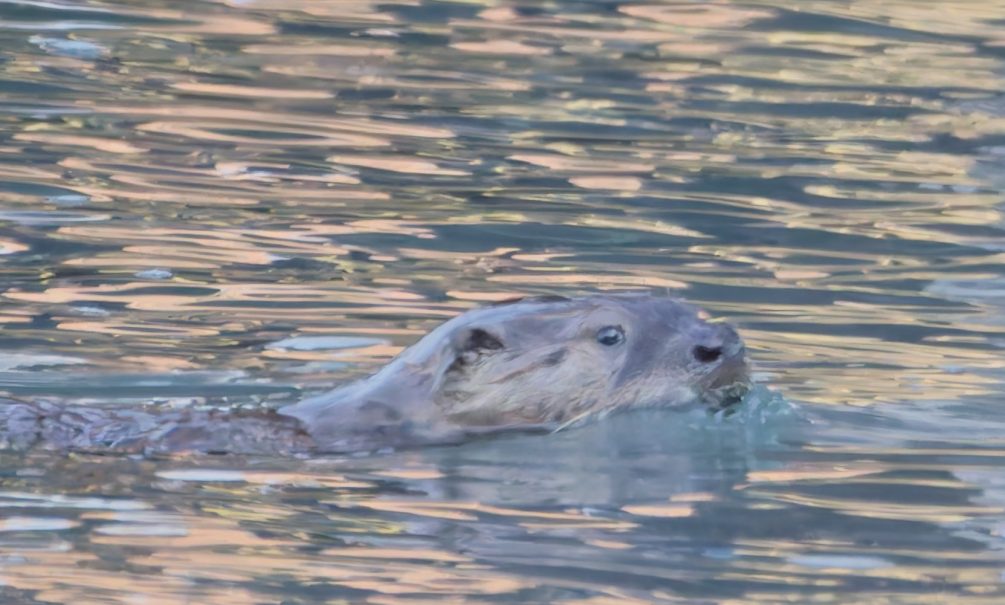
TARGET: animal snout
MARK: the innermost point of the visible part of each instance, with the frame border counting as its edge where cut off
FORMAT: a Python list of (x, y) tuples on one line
[(724, 343)]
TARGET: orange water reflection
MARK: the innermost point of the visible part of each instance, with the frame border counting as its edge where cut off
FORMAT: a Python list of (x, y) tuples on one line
[(183, 190)]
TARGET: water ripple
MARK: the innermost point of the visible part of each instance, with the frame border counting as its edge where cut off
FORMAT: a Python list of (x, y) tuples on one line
[(243, 201)]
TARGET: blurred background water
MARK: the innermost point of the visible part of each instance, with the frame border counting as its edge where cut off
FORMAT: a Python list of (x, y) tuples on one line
[(236, 203)]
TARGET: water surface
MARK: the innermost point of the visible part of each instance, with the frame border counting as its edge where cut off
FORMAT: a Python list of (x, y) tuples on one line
[(239, 203)]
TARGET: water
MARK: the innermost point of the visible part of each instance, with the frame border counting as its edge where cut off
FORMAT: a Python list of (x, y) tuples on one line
[(239, 203)]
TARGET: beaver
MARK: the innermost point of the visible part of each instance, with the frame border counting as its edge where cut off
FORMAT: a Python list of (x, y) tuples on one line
[(535, 362), (540, 363)]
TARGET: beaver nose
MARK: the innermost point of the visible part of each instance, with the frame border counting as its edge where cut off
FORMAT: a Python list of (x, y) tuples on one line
[(724, 341), (706, 354)]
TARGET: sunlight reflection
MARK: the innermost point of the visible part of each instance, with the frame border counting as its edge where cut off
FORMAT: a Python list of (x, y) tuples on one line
[(241, 201)]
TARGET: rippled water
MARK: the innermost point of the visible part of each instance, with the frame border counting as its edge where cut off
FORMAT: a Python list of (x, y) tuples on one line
[(239, 202)]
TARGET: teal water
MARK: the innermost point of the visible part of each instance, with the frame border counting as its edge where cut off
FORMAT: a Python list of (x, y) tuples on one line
[(237, 203)]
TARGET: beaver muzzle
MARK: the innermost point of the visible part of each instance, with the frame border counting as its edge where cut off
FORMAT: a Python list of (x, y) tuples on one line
[(725, 358)]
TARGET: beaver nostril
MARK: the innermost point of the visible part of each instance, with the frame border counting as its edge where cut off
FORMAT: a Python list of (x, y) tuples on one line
[(706, 354)]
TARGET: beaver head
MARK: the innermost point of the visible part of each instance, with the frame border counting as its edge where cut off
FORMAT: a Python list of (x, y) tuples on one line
[(538, 361), (551, 359)]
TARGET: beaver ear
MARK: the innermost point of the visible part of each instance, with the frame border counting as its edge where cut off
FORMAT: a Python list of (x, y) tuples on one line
[(469, 346), (480, 340), (475, 343)]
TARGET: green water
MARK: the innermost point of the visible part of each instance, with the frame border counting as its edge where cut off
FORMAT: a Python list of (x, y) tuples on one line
[(238, 203)]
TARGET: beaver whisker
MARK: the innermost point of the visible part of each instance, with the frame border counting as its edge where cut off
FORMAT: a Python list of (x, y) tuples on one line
[(580, 418)]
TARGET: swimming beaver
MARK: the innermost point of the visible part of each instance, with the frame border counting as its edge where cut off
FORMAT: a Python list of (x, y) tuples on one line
[(542, 362), (534, 362)]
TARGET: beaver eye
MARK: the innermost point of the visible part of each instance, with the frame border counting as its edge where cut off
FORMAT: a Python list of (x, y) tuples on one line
[(610, 336)]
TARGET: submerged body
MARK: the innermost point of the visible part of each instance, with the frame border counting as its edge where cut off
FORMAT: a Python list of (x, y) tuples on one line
[(147, 430), (532, 363)]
